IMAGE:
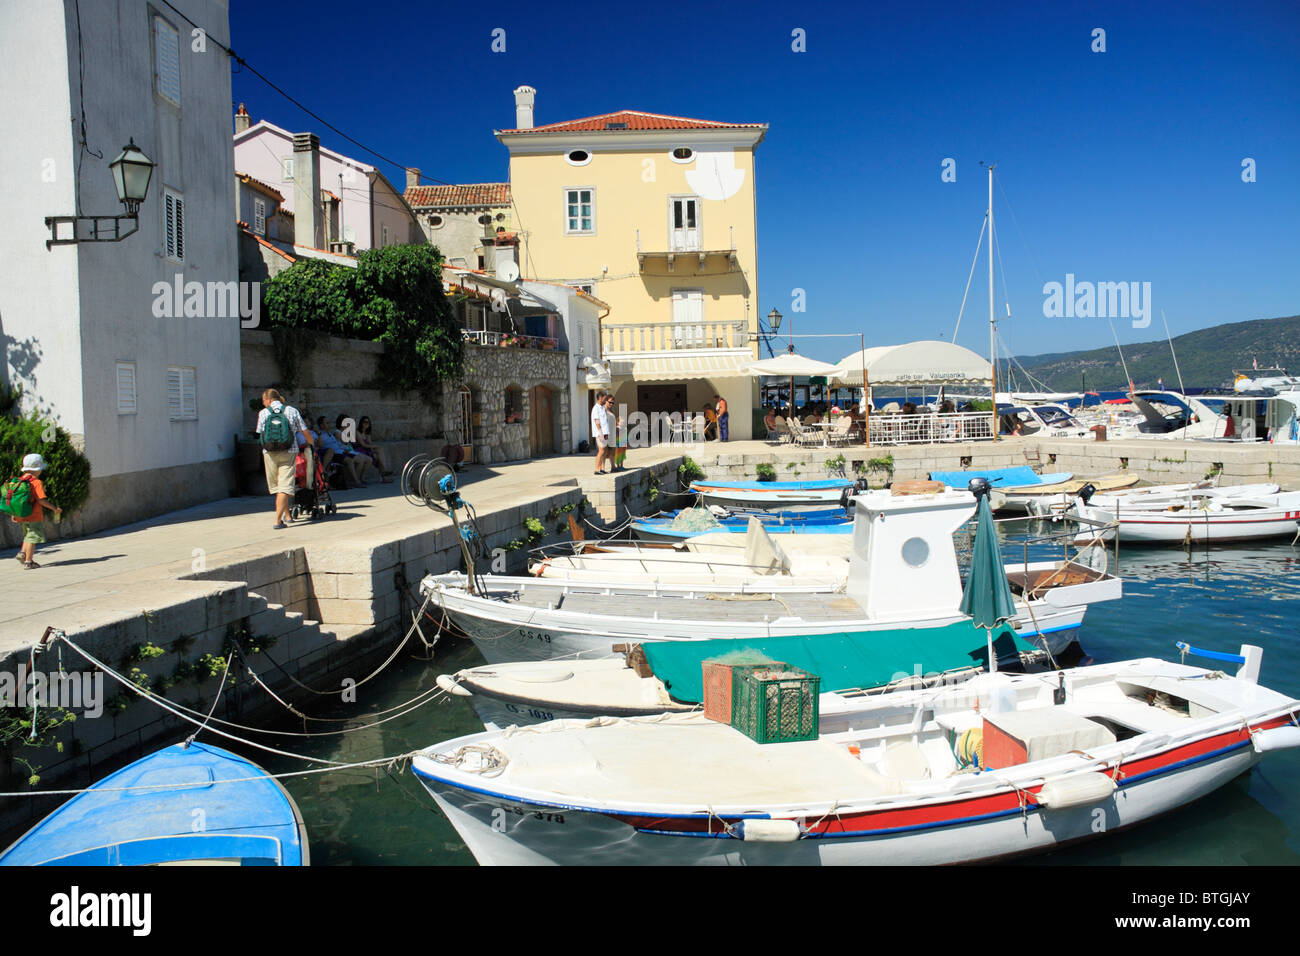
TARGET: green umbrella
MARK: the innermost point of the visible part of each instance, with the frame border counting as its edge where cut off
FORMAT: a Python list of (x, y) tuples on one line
[(987, 598)]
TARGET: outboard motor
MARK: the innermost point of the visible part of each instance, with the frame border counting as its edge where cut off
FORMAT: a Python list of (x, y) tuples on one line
[(979, 487), (860, 487), (1086, 492)]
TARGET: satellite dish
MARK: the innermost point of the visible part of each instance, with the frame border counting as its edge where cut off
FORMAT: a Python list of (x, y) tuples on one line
[(499, 302), (508, 270)]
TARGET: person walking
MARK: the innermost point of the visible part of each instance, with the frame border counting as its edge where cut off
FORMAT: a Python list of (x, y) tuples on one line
[(33, 533), (618, 449), (720, 407), (600, 431), (281, 430)]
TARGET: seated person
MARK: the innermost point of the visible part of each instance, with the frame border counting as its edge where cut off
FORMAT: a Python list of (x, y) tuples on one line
[(333, 449), (360, 461), (711, 423), (364, 445)]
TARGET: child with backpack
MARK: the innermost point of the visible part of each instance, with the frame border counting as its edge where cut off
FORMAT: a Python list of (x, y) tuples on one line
[(23, 499)]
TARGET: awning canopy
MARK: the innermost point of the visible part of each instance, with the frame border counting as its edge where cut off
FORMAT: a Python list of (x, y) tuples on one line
[(683, 364), (938, 363), (791, 363)]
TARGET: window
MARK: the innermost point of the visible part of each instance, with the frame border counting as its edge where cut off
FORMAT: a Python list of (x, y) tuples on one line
[(501, 217), (577, 157), (684, 223), (286, 169), (126, 388), (435, 222), (580, 211), (683, 154), (586, 287), (174, 225), (182, 393), (384, 234), (259, 216), (514, 404), (167, 60)]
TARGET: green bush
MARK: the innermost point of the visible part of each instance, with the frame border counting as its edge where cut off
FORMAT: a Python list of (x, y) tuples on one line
[(393, 296), (67, 470), (689, 471), (765, 472)]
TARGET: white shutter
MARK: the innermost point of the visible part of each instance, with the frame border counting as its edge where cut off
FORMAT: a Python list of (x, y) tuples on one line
[(167, 60), (259, 217), (286, 169), (174, 226), (126, 388), (182, 394)]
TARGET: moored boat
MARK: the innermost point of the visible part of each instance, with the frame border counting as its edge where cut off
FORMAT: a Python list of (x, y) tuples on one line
[(1195, 518), (813, 495), (186, 804), (999, 765)]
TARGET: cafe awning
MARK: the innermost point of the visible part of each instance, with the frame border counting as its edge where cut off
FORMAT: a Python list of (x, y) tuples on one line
[(937, 363)]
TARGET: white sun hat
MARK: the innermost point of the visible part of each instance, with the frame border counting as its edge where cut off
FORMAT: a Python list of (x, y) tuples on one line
[(33, 462)]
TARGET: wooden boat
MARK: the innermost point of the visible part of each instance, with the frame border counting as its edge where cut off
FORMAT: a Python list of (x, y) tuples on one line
[(662, 529), (1030, 498), (775, 495), (193, 804), (903, 572), (996, 766), (999, 478)]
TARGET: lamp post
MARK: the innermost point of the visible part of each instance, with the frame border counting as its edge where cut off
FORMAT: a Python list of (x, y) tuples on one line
[(132, 171)]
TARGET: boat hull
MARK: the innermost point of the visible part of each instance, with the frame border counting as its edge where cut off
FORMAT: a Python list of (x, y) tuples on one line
[(1154, 527), (502, 831)]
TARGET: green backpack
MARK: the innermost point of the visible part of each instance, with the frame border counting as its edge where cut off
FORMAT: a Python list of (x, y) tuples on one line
[(16, 497), (277, 433)]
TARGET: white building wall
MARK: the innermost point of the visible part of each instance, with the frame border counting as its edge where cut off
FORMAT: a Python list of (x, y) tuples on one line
[(581, 319), (39, 331), (91, 305)]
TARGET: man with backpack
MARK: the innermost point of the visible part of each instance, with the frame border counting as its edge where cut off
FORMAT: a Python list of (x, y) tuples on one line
[(281, 430), (23, 499)]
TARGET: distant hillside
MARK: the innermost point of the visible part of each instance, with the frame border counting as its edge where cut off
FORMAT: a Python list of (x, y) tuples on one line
[(1206, 357)]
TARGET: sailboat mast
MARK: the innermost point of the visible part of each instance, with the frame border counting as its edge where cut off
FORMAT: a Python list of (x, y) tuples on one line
[(993, 355), (1170, 339)]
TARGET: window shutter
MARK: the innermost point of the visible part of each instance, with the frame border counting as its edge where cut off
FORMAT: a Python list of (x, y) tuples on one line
[(174, 215), (286, 169), (167, 60), (125, 388), (259, 217), (182, 394)]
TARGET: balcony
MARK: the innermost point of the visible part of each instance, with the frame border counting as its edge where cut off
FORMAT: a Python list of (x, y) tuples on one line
[(510, 340), (666, 336), (686, 247)]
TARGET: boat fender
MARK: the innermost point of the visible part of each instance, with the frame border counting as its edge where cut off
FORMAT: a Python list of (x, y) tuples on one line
[(1275, 738), (767, 831), (452, 686), (1079, 790)]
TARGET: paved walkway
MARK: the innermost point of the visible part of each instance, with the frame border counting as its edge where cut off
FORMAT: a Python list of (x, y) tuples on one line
[(137, 567)]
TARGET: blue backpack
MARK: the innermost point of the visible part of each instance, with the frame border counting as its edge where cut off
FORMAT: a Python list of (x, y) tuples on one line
[(277, 433)]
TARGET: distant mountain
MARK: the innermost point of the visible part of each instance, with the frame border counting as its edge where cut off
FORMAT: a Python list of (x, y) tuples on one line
[(1206, 358)]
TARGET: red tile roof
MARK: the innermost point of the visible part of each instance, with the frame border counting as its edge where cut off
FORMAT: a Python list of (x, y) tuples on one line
[(625, 120), (259, 185), (449, 197)]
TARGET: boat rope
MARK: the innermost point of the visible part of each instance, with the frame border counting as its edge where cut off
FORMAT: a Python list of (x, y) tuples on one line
[(216, 699), (176, 711), (491, 761), (385, 763), (727, 828), (415, 626), (812, 829)]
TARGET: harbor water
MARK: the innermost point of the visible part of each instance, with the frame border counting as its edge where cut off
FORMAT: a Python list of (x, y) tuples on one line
[(1216, 600)]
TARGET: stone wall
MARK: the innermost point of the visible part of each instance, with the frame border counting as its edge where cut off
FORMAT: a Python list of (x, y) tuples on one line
[(489, 371)]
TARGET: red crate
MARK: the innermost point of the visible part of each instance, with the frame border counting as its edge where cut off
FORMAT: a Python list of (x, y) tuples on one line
[(717, 691)]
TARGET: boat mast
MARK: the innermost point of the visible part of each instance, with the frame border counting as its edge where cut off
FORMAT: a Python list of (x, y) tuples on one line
[(993, 355), (1182, 391)]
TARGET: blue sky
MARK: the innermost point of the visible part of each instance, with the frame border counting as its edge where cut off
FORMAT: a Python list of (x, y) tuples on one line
[(1117, 166)]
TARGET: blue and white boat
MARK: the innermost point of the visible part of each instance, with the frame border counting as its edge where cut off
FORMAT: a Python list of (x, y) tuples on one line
[(775, 495), (661, 529), (186, 804), (1018, 477)]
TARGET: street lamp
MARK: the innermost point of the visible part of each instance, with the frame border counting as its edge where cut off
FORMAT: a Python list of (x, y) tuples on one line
[(132, 171), (774, 320)]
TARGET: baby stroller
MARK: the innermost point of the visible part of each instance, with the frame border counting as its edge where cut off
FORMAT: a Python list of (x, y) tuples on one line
[(311, 501)]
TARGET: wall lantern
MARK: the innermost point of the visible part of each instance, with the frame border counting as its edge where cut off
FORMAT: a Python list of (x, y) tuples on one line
[(132, 170)]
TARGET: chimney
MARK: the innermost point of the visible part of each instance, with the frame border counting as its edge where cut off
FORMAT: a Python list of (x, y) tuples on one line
[(242, 119), (524, 97), (308, 229), (412, 177)]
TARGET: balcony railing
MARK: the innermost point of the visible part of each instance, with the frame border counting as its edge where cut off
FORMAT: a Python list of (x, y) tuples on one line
[(927, 429), (662, 336), (688, 246), (510, 340)]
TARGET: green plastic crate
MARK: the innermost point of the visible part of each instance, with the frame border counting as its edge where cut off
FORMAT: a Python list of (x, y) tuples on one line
[(774, 704)]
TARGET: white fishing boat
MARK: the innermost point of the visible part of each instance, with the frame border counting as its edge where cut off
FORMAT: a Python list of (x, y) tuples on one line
[(903, 572), (996, 766), (1031, 498), (761, 561), (1195, 518)]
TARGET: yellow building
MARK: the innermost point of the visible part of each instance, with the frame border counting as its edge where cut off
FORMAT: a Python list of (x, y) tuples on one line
[(655, 215)]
